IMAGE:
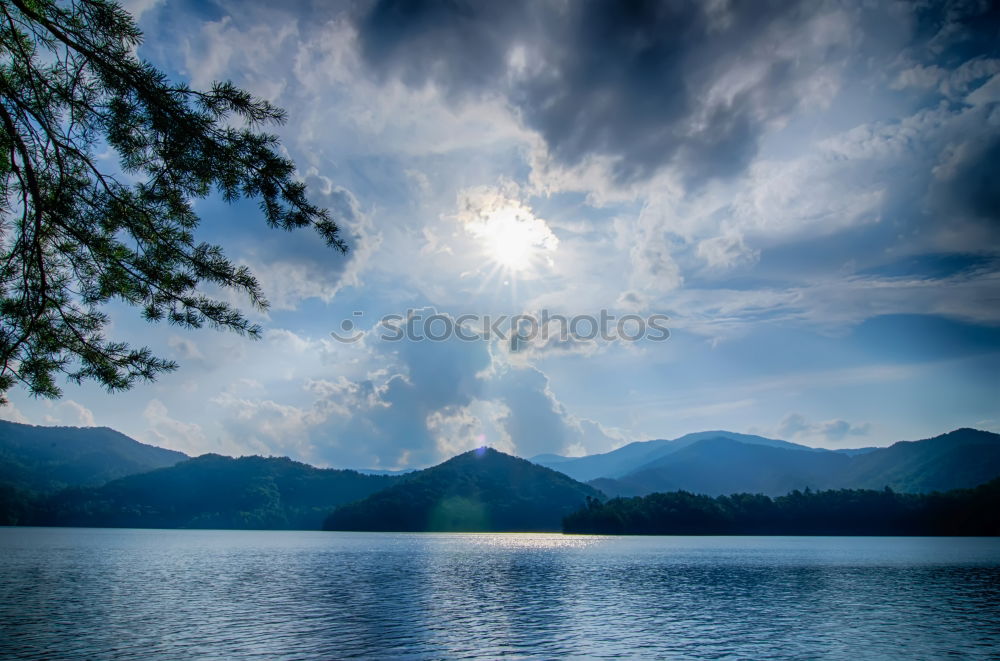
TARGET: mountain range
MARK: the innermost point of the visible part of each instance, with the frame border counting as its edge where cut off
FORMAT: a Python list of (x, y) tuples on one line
[(633, 456), (719, 463), (99, 477)]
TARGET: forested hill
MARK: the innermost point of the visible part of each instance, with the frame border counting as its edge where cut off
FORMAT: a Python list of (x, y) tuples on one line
[(212, 491), (843, 512), (481, 490), (46, 459), (960, 459)]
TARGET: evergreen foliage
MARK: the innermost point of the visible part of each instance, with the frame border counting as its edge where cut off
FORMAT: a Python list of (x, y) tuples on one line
[(835, 512), (76, 234), (212, 491), (45, 459)]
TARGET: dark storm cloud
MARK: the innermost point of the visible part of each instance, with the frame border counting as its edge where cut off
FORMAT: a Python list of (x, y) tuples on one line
[(629, 80), (639, 82), (956, 31), (961, 40), (972, 190), (459, 44)]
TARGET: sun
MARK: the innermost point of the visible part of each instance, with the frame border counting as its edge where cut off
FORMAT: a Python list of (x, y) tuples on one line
[(512, 237), (510, 240)]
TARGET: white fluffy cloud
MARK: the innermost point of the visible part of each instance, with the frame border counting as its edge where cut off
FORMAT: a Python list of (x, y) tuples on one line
[(11, 413), (795, 426), (428, 401), (67, 412)]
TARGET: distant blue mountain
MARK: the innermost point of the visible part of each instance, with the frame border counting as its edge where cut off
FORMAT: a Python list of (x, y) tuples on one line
[(632, 457), (383, 471), (721, 465), (851, 452)]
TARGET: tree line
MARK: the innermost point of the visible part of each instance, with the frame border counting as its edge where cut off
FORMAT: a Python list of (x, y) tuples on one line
[(834, 512)]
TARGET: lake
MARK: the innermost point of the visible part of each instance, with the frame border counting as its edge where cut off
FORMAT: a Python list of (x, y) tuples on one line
[(75, 593)]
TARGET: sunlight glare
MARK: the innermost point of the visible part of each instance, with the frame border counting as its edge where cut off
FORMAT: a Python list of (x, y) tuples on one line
[(511, 235)]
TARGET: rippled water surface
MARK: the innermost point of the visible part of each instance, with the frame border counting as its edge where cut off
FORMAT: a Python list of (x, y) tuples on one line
[(146, 594)]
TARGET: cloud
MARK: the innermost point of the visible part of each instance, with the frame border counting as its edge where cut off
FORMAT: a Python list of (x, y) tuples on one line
[(795, 426), (481, 423), (726, 250), (264, 426), (644, 85), (428, 401), (139, 7), (301, 267), (167, 432), (671, 100), (834, 305), (11, 413), (744, 169), (514, 238), (184, 348), (70, 413), (606, 86), (538, 422), (651, 248), (968, 181), (458, 45)]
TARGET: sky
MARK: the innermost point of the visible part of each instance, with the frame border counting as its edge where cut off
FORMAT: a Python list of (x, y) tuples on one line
[(809, 191)]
